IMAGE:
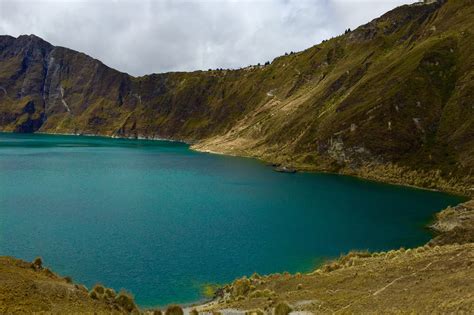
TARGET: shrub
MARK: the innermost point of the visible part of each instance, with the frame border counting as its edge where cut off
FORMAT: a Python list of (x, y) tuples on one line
[(331, 267), (240, 286), (193, 312), (110, 293), (93, 295), (282, 308), (354, 254), (99, 289), (37, 263), (174, 310), (267, 292), (125, 301), (262, 294), (68, 279)]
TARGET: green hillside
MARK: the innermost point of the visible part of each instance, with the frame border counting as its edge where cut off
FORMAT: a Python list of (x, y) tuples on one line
[(391, 100)]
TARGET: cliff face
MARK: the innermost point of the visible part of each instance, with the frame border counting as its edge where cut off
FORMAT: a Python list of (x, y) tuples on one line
[(390, 100)]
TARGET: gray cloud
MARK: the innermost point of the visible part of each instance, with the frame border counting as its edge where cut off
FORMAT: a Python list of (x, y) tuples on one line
[(147, 36)]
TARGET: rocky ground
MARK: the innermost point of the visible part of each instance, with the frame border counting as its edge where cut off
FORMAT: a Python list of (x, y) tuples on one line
[(435, 278)]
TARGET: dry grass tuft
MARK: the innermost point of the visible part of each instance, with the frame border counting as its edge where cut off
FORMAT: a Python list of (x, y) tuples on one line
[(174, 310), (282, 308)]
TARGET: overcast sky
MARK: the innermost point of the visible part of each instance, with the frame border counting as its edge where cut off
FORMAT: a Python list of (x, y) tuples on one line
[(147, 36)]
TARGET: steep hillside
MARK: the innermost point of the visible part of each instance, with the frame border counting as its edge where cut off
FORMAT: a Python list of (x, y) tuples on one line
[(391, 100)]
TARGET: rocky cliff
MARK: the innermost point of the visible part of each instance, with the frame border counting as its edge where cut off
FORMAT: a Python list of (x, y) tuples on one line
[(391, 100)]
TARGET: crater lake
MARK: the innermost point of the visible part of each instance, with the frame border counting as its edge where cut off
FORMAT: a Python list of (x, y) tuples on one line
[(162, 221)]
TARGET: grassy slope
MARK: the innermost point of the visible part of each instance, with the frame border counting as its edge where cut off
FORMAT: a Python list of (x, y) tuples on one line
[(435, 278), (390, 100), (425, 280), (401, 97), (26, 290)]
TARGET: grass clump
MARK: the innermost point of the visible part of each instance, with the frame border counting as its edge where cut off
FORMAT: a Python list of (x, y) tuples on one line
[(99, 289), (37, 263), (282, 308), (174, 310), (241, 286), (93, 295), (110, 294), (331, 267), (125, 301)]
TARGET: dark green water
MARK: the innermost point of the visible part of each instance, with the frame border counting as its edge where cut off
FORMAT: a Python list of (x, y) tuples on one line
[(161, 220)]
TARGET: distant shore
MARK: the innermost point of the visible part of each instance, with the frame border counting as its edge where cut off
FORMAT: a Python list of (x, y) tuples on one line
[(388, 174)]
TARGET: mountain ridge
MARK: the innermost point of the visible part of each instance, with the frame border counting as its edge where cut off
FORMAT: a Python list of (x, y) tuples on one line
[(387, 101)]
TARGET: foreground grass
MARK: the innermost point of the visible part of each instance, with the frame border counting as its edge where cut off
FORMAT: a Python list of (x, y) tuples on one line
[(436, 277)]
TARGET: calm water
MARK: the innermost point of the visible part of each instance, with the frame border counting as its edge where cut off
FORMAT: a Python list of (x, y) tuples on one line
[(160, 220)]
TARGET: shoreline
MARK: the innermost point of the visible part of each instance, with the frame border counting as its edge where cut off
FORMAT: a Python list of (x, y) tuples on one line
[(211, 303), (344, 171), (298, 168), (445, 245)]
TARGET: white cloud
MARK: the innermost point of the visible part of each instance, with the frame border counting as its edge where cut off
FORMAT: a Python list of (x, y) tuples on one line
[(146, 36)]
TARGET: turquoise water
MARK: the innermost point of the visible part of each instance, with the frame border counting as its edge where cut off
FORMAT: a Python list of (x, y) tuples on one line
[(161, 220)]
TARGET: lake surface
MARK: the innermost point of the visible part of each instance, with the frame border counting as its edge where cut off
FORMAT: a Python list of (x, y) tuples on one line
[(161, 220)]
